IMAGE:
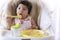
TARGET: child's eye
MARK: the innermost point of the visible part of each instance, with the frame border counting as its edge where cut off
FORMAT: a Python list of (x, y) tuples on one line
[(18, 8), (24, 9)]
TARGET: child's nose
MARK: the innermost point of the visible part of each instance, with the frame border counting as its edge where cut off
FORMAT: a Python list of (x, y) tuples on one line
[(21, 11)]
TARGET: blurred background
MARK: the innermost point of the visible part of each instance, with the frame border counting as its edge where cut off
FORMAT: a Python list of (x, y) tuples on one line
[(49, 14)]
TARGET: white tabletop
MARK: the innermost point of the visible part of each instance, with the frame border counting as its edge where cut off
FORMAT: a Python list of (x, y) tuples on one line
[(8, 36)]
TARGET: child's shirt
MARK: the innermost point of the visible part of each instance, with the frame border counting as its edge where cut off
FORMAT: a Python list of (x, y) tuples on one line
[(25, 25)]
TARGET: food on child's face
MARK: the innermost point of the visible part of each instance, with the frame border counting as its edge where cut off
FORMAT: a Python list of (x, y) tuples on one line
[(19, 16), (18, 25), (32, 33)]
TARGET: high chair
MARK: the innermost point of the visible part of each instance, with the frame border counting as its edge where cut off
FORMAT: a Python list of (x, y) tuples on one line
[(36, 15)]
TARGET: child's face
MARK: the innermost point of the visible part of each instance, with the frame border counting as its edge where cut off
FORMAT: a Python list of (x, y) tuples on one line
[(22, 10)]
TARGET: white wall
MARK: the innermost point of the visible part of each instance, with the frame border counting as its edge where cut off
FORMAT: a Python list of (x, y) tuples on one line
[(53, 11), (3, 3)]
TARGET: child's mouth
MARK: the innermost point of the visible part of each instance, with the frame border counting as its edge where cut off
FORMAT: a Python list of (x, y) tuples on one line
[(20, 16)]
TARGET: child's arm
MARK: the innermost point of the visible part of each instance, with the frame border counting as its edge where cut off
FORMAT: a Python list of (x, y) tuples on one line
[(34, 26), (9, 23)]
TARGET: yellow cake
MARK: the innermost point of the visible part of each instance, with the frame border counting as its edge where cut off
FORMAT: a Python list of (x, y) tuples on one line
[(32, 33)]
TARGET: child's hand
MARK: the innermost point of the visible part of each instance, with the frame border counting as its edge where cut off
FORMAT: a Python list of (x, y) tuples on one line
[(7, 28), (34, 27), (9, 23)]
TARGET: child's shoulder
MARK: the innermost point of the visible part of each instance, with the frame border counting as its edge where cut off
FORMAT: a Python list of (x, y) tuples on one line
[(28, 18)]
